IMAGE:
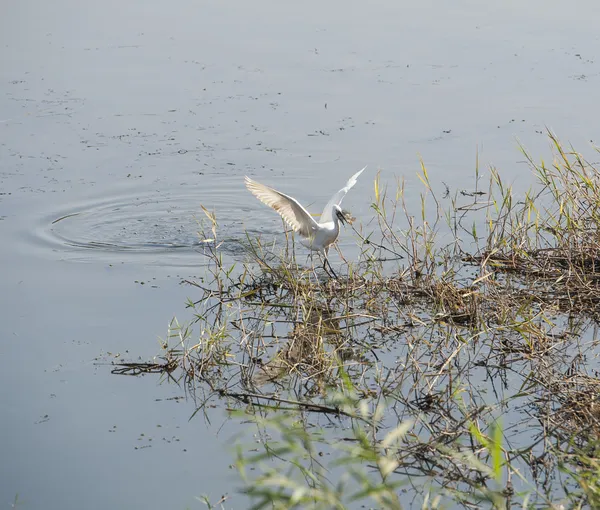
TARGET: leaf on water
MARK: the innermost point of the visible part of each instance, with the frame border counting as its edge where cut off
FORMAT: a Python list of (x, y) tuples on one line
[(65, 217)]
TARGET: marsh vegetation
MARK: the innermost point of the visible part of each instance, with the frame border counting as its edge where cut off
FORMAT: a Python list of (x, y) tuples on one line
[(453, 363)]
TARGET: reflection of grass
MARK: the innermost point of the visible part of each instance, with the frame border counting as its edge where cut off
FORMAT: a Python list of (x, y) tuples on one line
[(389, 384)]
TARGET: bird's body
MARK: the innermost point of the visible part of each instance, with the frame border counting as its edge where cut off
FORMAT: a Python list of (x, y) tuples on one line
[(316, 236), (323, 236)]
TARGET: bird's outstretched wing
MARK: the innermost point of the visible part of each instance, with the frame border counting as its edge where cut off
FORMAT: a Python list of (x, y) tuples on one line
[(289, 209), (336, 199)]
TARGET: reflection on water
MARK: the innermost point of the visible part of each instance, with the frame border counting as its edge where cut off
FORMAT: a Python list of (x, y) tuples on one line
[(160, 98)]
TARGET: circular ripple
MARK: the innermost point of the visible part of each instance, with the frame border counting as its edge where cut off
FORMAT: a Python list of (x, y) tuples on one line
[(160, 228), (143, 225)]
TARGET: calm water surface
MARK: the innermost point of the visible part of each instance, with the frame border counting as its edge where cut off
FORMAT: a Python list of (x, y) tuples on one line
[(117, 120)]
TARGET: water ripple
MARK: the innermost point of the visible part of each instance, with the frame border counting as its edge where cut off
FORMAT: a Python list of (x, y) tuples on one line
[(153, 228)]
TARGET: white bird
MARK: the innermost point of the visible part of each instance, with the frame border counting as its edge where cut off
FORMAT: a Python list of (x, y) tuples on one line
[(315, 236)]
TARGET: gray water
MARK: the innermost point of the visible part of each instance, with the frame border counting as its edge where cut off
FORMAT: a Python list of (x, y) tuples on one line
[(119, 119)]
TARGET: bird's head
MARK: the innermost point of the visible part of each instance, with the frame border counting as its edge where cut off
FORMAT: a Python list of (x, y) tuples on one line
[(340, 214)]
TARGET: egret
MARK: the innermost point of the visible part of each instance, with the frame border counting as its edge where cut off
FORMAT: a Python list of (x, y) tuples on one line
[(317, 236)]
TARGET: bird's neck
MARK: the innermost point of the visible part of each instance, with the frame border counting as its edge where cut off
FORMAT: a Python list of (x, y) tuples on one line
[(336, 222)]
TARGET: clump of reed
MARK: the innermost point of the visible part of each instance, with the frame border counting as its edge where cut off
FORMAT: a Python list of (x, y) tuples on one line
[(453, 362)]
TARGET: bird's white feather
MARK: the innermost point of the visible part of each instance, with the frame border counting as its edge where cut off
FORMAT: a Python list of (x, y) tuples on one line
[(288, 208), (327, 214)]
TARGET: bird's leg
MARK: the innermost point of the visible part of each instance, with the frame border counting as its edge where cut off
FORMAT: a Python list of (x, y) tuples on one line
[(326, 261), (312, 265), (331, 269)]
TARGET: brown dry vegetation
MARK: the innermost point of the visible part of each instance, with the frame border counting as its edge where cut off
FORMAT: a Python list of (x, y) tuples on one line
[(477, 356)]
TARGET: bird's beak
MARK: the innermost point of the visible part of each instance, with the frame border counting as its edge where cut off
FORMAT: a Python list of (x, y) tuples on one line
[(341, 217)]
